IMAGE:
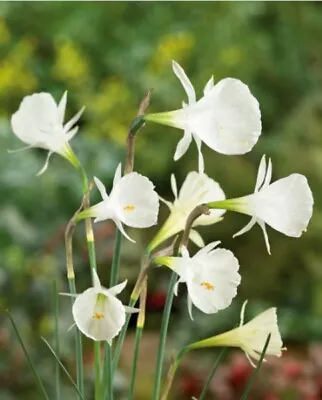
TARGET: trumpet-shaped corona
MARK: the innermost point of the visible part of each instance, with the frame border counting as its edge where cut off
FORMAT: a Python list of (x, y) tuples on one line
[(211, 276), (132, 202)]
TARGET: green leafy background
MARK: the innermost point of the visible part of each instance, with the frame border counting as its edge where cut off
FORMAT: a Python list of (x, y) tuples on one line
[(107, 55)]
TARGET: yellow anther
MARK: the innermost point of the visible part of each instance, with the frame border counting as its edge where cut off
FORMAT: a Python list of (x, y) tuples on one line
[(129, 207), (207, 286), (98, 315)]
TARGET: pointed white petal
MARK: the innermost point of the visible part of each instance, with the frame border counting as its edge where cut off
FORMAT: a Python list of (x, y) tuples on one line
[(174, 186), (189, 302), (44, 168), (11, 151), (62, 108), (70, 134), (209, 85), (181, 75), (228, 119), (117, 175), (196, 238), (261, 173), (268, 176), (242, 312), (96, 280), (263, 227), (101, 188), (206, 249), (176, 286), (119, 225), (73, 120), (115, 290), (131, 310), (135, 201), (182, 145), (247, 227), (166, 202), (185, 252), (201, 163)]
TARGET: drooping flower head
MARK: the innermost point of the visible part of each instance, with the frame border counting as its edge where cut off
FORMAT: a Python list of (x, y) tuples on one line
[(132, 202), (196, 189), (39, 122), (227, 118), (250, 337), (97, 312), (286, 204), (211, 276)]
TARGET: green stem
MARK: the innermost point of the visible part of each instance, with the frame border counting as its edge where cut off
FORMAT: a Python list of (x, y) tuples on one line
[(138, 336), (163, 336), (78, 343), (116, 259), (108, 395), (212, 373), (57, 349), (121, 338), (254, 374)]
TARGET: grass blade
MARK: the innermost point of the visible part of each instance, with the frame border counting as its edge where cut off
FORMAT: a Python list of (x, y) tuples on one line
[(56, 316), (254, 374), (59, 363), (32, 367)]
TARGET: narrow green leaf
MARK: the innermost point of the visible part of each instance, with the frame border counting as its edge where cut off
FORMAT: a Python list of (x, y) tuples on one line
[(59, 363), (56, 316), (254, 374), (32, 367), (222, 353)]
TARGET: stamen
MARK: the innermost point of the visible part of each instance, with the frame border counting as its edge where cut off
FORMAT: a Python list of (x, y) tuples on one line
[(129, 207), (207, 286), (98, 315)]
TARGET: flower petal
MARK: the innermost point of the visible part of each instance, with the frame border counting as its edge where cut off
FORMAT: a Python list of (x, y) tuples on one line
[(209, 85), (201, 163), (261, 173), (182, 145), (196, 238), (44, 168), (228, 119), (96, 280), (101, 189), (115, 290), (247, 227), (97, 316), (181, 75), (62, 107), (135, 202), (286, 205), (119, 225), (174, 186), (263, 227), (73, 120), (70, 134), (118, 174)]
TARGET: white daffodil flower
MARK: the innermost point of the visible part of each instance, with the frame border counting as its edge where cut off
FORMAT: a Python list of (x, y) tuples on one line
[(132, 201), (39, 122), (286, 204), (211, 276), (196, 189), (97, 312), (250, 337), (227, 118)]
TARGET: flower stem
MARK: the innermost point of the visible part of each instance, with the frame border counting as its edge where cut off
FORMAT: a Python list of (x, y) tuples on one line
[(79, 347), (212, 373), (108, 395), (57, 349), (163, 337), (138, 335)]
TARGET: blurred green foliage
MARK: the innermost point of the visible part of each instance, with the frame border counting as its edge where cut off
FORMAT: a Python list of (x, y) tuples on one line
[(107, 55)]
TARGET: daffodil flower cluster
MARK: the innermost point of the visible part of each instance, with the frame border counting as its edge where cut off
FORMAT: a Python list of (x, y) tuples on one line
[(227, 119)]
